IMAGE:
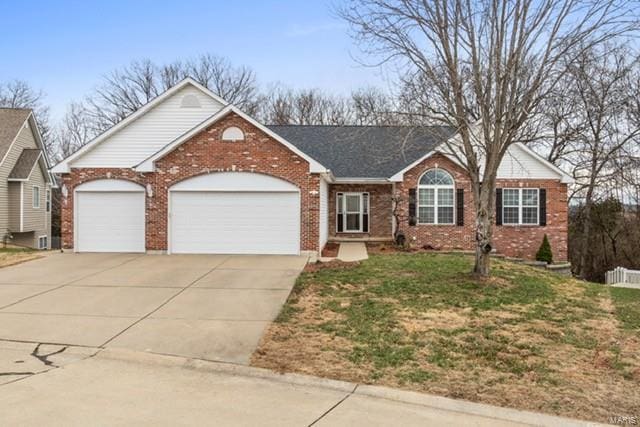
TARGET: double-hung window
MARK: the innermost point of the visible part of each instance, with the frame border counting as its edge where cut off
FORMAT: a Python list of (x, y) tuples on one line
[(47, 200), (520, 206), (352, 212), (43, 242), (36, 197), (436, 197)]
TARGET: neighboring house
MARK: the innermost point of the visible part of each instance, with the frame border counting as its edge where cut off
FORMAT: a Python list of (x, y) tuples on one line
[(189, 173), (25, 182)]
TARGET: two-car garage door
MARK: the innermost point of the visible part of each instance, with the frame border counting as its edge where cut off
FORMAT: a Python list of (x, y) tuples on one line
[(227, 213), (234, 213)]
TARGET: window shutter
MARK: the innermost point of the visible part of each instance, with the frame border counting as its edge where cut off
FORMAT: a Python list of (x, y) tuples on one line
[(498, 206), (459, 207), (412, 206), (543, 206), (365, 212), (339, 210)]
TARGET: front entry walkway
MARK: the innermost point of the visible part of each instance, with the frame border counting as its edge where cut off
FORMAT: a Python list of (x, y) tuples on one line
[(352, 251), (212, 307)]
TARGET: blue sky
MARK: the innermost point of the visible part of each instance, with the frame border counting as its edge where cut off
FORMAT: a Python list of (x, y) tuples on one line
[(64, 47)]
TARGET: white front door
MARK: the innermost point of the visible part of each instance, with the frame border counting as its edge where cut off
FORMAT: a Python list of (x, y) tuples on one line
[(353, 212)]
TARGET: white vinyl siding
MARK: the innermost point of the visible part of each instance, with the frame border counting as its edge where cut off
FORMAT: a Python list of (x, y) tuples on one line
[(23, 140), (149, 133), (17, 198), (519, 164), (324, 213)]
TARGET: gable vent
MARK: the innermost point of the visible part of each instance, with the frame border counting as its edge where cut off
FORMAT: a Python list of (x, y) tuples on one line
[(233, 134), (190, 101)]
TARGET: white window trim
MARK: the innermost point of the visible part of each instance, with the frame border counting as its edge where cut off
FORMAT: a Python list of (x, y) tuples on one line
[(520, 206), (33, 199), (46, 246), (435, 200), (344, 213), (47, 200)]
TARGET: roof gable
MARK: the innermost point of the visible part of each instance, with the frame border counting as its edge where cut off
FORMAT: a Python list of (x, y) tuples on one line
[(148, 129), (12, 121), (25, 164), (148, 164)]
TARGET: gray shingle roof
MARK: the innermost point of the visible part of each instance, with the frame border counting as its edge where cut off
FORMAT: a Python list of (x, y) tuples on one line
[(11, 120), (364, 151), (27, 160)]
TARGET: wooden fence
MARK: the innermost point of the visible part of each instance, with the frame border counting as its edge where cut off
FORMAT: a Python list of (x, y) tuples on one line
[(622, 275)]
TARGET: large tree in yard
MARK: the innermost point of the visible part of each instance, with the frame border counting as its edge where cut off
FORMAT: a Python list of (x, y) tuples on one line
[(485, 67)]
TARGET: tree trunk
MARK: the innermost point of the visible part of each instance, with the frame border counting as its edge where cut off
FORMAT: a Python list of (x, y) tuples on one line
[(484, 231), (585, 250)]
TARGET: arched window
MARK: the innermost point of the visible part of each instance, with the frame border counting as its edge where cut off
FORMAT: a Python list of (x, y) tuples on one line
[(232, 134), (436, 195)]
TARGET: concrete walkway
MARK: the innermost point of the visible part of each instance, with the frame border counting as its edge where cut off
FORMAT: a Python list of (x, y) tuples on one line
[(72, 386), (352, 251)]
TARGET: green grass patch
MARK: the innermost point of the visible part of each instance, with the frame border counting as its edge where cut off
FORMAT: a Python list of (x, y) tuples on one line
[(627, 303)]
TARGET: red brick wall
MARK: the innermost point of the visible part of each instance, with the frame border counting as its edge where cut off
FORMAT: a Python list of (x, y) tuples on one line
[(517, 241), (207, 153), (380, 206)]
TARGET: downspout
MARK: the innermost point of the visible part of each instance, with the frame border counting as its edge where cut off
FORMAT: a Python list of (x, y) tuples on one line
[(21, 206)]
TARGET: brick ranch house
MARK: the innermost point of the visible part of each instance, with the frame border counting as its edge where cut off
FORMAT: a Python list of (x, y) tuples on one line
[(190, 173)]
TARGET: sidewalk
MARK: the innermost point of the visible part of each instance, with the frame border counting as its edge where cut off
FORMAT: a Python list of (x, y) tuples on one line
[(123, 387)]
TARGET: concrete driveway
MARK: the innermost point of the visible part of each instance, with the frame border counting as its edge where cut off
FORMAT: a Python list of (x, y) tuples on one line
[(212, 307)]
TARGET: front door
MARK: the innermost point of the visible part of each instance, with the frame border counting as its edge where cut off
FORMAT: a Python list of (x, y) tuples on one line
[(353, 212)]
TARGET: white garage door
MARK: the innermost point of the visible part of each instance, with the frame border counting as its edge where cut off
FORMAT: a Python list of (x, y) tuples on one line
[(235, 213), (110, 217)]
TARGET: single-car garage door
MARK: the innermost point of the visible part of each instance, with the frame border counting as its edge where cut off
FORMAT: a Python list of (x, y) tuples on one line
[(109, 217), (234, 213)]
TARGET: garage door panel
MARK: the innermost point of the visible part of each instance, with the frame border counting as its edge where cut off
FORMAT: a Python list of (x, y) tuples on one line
[(110, 221), (235, 223)]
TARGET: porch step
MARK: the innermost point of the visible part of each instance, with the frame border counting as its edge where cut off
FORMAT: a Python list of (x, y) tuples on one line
[(361, 239)]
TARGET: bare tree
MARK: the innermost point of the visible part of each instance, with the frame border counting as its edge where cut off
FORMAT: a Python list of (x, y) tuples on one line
[(488, 65), (604, 130), (18, 94), (124, 91), (73, 132)]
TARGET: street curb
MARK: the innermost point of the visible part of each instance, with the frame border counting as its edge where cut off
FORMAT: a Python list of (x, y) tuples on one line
[(224, 368), (401, 396), (472, 408)]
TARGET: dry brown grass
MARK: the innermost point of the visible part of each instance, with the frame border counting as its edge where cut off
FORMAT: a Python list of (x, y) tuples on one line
[(558, 349), (10, 257)]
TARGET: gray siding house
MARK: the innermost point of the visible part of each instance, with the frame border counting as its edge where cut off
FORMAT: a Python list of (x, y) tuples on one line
[(25, 182)]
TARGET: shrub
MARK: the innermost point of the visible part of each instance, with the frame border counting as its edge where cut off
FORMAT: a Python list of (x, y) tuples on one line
[(544, 253)]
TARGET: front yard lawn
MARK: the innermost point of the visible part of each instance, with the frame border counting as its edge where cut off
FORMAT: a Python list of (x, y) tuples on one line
[(525, 338), (11, 256)]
